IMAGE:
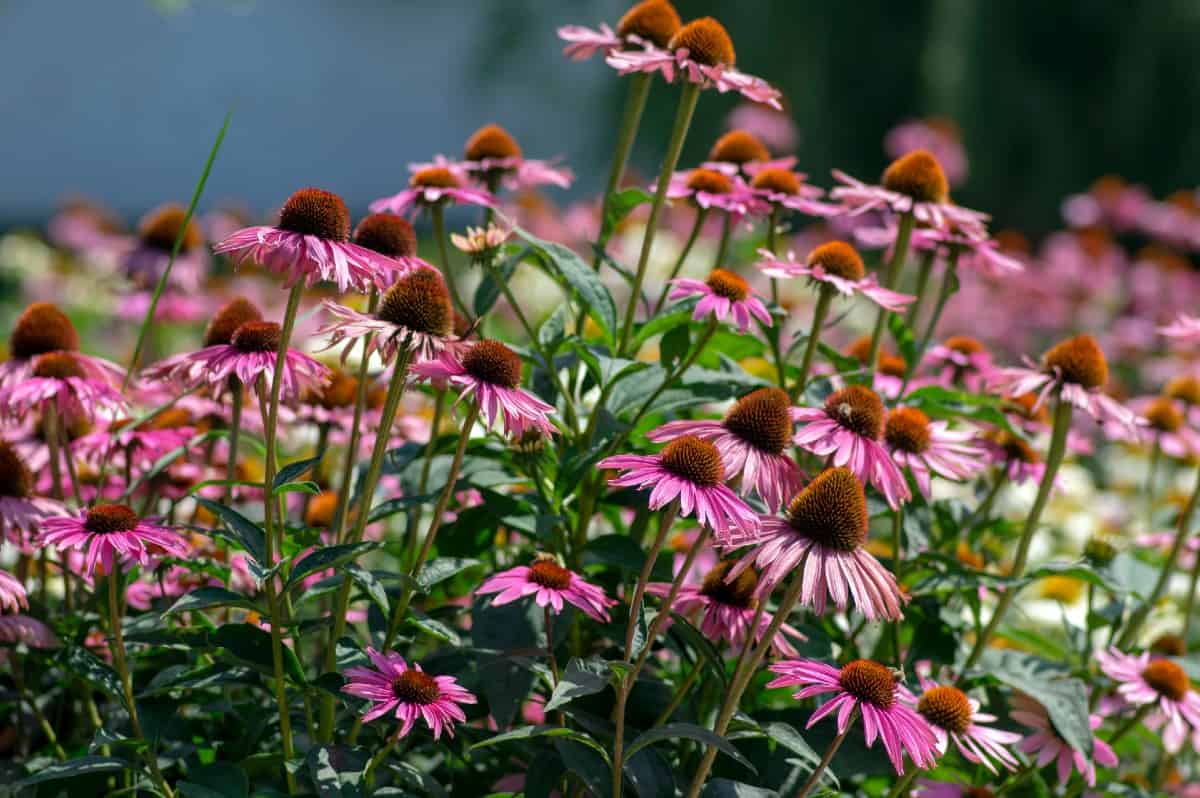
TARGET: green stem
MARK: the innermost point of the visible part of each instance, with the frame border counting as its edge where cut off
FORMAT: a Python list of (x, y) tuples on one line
[(414, 520), (237, 398), (1130, 724), (701, 215), (680, 693), (985, 507), (380, 756), (949, 285), (631, 120), (683, 118), (898, 569), (1183, 530), (899, 253), (903, 783), (360, 406), (824, 300), (806, 788), (437, 215), (1054, 458), (923, 271), (723, 245)]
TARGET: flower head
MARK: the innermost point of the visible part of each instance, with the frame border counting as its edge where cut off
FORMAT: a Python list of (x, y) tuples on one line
[(724, 295), (876, 693), (550, 584), (937, 136), (415, 314), (953, 715), (59, 381), (1143, 679), (144, 259), (41, 329), (21, 511), (650, 22), (493, 155), (848, 431), (779, 187), (838, 265), (395, 687), (12, 594), (752, 439), (311, 244), (491, 372), (110, 533), (821, 541), (1049, 746), (710, 188), (481, 243), (438, 183), (690, 470), (927, 447)]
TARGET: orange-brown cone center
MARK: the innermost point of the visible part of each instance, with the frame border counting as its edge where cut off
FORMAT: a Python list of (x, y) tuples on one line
[(695, 460), (548, 573), (907, 429), (736, 593), (656, 21), (42, 328), (416, 687), (491, 141), (777, 180), (918, 175), (832, 510), (869, 681), (387, 234), (435, 177), (727, 284), (1167, 679), (1080, 360), (315, 212), (16, 480), (707, 42), (839, 259), (763, 419), (493, 362), (106, 518), (420, 302), (228, 318), (739, 147), (161, 227), (257, 336), (946, 707), (858, 409)]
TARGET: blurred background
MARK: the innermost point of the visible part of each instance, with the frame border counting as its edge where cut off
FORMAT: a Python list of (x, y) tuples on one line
[(120, 101)]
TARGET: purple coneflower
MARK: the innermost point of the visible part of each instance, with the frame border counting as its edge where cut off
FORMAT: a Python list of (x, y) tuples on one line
[(21, 512), (1185, 329), (431, 185), (690, 470), (939, 136), (493, 156), (740, 152), (837, 265), (250, 354), (393, 686), (953, 715), (961, 359), (12, 594), (778, 187), (491, 372), (59, 381), (702, 53), (727, 609), (1049, 746), (913, 183), (723, 295), (1019, 461), (821, 539), (550, 584), (144, 259), (927, 447), (875, 691), (311, 244), (109, 533), (650, 22), (752, 440), (709, 188), (1144, 680), (1077, 370), (41, 329), (415, 313), (847, 430)]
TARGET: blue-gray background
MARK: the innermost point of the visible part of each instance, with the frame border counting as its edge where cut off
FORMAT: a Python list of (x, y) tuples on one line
[(120, 99)]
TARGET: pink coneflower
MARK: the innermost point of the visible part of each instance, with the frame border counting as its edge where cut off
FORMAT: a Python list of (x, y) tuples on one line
[(728, 608), (1167, 425), (925, 788), (1019, 461), (1185, 329), (493, 156), (724, 295), (30, 631), (709, 188), (838, 265), (415, 313), (927, 447), (21, 512), (430, 185), (955, 716), (779, 187), (1049, 746), (143, 443), (393, 237), (690, 470), (250, 354), (491, 373), (937, 135), (739, 152), (702, 53), (961, 360), (311, 244), (85, 226), (144, 259), (651, 22), (550, 584), (913, 183), (409, 693), (1077, 371), (752, 440), (1144, 680), (58, 381), (774, 126), (12, 594), (847, 430), (875, 691), (109, 533), (173, 306), (822, 538), (41, 329)]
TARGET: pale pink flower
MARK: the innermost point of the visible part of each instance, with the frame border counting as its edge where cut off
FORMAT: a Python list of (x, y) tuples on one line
[(395, 687), (111, 533), (709, 188), (21, 510), (440, 183), (821, 541), (58, 381), (311, 244), (835, 264), (480, 242), (689, 470), (928, 447), (12, 594), (1185, 329), (723, 295), (879, 696), (752, 440), (1160, 683), (955, 716), (550, 584), (43, 329), (1049, 746), (938, 136)]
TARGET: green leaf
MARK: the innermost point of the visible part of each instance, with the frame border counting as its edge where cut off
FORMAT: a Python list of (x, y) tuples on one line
[(553, 330), (294, 470), (563, 262), (328, 557), (221, 779), (433, 627), (620, 205), (442, 568), (1065, 699), (674, 345), (700, 644), (662, 323), (530, 732), (82, 766), (212, 596), (581, 678), (488, 290), (690, 731), (252, 645), (244, 531), (93, 669), (616, 550), (725, 788), (906, 343), (336, 770), (369, 584)]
